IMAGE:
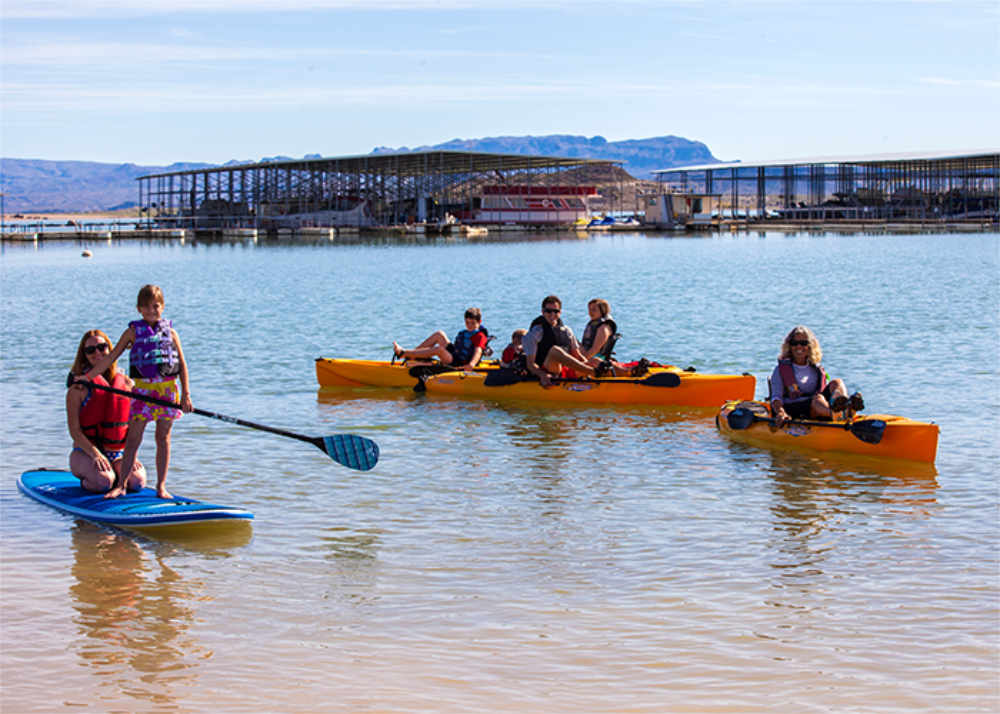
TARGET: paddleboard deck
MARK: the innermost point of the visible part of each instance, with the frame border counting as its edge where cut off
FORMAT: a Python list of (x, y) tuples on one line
[(139, 510)]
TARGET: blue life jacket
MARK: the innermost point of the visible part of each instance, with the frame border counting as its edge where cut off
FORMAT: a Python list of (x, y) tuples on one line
[(153, 354), (463, 345)]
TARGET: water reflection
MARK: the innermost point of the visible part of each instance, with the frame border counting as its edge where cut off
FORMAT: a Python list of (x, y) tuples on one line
[(818, 501), (134, 613)]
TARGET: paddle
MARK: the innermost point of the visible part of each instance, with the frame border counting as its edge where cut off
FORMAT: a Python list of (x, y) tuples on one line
[(505, 378), (869, 431), (354, 452)]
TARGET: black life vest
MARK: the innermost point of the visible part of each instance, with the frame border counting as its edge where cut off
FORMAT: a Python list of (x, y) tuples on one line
[(550, 338), (590, 334)]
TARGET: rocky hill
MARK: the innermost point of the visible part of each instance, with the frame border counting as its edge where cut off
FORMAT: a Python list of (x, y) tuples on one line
[(640, 156), (38, 186)]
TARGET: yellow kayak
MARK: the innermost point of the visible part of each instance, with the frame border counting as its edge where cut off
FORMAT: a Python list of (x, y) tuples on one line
[(666, 386), (371, 373), (882, 436)]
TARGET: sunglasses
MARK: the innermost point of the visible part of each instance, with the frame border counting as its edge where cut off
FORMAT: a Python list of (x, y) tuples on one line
[(799, 343), (103, 347), (552, 310)]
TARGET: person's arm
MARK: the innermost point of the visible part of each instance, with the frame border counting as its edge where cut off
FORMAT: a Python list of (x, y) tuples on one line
[(74, 400), (530, 344), (102, 364), (186, 404), (777, 403), (600, 339)]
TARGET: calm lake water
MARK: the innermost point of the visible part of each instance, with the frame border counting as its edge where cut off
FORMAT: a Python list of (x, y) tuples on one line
[(504, 557)]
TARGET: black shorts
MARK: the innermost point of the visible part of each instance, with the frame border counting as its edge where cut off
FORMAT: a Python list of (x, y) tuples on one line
[(800, 410)]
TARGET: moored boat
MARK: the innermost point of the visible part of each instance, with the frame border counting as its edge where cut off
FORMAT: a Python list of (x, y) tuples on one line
[(883, 436), (665, 386)]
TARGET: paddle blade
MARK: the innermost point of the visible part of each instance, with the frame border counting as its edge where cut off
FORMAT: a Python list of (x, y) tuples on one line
[(662, 379), (869, 431), (740, 418), (354, 452)]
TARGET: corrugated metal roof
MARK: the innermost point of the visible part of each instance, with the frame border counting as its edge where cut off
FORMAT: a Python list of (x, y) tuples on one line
[(856, 159), (408, 163)]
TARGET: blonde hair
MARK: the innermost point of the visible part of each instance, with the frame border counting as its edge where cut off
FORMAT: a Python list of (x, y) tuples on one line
[(148, 295), (518, 334), (82, 366), (602, 306), (815, 352)]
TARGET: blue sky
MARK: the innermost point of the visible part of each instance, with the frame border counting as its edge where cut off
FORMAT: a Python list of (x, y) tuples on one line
[(156, 81)]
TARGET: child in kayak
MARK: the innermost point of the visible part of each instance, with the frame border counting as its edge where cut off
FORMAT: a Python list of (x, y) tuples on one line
[(514, 349), (156, 362), (464, 351)]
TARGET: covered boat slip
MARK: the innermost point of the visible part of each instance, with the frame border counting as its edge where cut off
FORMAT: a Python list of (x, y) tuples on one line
[(917, 186), (421, 188)]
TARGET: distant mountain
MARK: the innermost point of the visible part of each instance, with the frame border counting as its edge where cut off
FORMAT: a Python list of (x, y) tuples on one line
[(38, 186), (640, 156)]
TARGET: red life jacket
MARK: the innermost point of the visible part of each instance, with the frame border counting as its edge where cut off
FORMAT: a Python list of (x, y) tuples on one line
[(791, 385), (104, 416)]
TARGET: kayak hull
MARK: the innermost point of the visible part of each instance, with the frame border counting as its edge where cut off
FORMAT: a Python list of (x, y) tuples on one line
[(332, 372), (694, 390), (903, 439), (140, 510)]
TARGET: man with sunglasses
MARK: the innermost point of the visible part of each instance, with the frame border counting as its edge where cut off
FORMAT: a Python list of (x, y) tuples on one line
[(552, 349)]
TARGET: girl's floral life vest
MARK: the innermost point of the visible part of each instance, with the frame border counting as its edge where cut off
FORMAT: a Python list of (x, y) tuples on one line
[(104, 416), (463, 344), (153, 354), (791, 385)]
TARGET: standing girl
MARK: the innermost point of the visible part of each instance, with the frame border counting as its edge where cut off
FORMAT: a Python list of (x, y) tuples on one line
[(156, 361)]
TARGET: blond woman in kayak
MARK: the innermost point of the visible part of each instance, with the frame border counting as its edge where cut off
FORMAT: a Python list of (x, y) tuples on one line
[(799, 385)]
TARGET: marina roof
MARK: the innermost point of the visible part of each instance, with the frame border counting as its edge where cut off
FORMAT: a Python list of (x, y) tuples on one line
[(987, 155), (409, 163)]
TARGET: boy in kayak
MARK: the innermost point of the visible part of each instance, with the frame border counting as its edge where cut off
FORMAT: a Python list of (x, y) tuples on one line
[(156, 362), (551, 347), (515, 349), (464, 351)]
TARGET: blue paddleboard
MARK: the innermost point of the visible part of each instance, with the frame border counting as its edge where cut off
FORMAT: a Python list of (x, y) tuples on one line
[(141, 509)]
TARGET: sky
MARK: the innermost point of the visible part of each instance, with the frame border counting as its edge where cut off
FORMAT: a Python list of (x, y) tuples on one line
[(153, 82)]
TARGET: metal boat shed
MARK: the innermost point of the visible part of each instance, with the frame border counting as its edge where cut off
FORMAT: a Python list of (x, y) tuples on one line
[(911, 186), (367, 190)]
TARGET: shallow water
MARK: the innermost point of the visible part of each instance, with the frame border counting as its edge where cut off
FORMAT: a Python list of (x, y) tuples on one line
[(505, 557)]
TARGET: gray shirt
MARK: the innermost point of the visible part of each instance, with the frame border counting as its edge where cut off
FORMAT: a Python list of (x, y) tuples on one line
[(530, 341)]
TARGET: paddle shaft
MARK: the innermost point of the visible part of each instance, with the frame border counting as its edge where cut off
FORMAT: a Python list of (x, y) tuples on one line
[(314, 440)]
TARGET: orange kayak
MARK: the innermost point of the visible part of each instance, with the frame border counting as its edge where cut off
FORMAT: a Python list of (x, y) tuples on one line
[(883, 436), (370, 373), (666, 386)]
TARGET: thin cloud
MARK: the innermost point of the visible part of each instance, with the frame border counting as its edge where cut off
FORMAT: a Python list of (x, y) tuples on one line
[(950, 82), (33, 9)]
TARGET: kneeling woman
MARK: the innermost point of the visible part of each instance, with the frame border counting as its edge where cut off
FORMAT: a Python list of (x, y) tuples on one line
[(799, 385), (98, 421), (464, 351)]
